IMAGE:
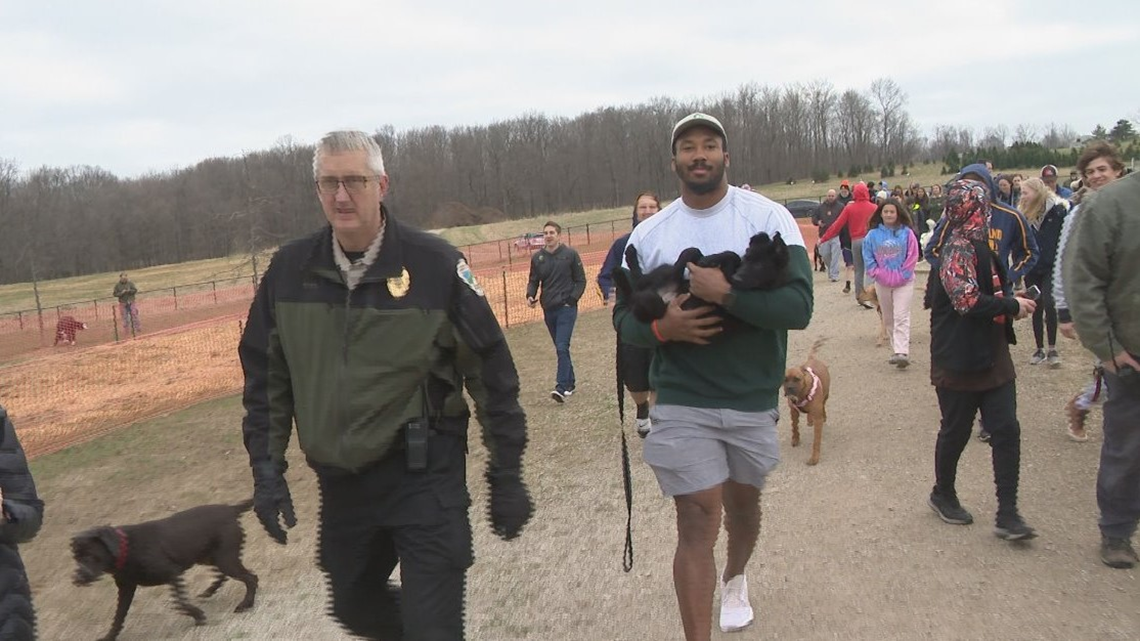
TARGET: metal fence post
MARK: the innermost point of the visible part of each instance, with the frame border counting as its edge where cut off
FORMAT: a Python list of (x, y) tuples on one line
[(587, 234), (95, 304), (175, 288), (20, 317), (506, 302), (214, 286), (115, 322)]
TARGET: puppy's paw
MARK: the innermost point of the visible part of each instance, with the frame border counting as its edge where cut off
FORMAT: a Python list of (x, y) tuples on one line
[(242, 607), (813, 460), (795, 441)]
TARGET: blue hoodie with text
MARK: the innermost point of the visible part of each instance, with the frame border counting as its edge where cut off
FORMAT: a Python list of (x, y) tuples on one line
[(1009, 234)]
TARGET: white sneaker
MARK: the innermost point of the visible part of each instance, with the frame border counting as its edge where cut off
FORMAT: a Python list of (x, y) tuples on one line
[(735, 611), (643, 427)]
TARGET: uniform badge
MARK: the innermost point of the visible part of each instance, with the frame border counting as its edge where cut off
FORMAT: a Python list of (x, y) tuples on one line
[(468, 278), (398, 286)]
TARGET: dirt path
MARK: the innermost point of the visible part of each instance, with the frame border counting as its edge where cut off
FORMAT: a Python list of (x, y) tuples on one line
[(849, 549)]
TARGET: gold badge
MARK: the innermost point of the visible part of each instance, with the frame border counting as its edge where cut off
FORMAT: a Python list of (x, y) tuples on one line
[(398, 287)]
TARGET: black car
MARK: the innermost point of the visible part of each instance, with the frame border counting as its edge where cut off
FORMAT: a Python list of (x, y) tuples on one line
[(802, 208)]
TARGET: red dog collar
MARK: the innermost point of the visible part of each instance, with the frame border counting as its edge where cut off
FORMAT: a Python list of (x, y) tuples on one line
[(121, 556)]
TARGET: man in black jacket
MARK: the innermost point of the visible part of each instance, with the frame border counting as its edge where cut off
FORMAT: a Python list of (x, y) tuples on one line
[(558, 269), (20, 520), (366, 334)]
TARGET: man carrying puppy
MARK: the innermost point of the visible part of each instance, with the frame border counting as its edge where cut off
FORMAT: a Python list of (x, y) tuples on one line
[(366, 334), (714, 437)]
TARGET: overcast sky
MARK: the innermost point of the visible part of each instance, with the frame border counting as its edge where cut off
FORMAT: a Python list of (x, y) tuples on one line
[(147, 85)]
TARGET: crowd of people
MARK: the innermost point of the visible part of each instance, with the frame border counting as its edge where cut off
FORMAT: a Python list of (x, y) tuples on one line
[(376, 389)]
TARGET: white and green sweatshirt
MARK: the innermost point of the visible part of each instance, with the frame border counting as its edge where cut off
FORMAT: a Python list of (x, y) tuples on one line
[(741, 370)]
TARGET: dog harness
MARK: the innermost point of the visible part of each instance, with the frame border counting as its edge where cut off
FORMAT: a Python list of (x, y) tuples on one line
[(814, 388), (121, 556)]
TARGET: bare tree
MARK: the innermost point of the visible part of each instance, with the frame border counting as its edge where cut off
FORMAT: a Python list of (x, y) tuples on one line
[(994, 137), (1024, 134), (1058, 136), (890, 100)]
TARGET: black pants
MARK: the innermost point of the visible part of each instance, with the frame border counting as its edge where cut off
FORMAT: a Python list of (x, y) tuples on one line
[(999, 412), (372, 520), (1045, 316), (1118, 481)]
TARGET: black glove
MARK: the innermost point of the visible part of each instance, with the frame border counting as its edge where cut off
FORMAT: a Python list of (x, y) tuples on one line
[(511, 507), (271, 499)]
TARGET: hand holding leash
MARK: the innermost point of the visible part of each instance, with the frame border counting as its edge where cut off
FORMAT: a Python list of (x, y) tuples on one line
[(271, 500), (695, 325)]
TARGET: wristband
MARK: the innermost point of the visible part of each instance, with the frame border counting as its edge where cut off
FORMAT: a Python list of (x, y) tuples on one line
[(657, 332)]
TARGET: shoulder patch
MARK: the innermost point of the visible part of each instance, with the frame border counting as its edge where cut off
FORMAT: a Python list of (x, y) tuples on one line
[(468, 278)]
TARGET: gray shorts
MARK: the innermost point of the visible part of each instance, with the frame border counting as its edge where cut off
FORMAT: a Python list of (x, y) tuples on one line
[(692, 449)]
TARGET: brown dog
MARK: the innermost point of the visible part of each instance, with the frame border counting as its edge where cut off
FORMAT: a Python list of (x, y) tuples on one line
[(158, 552), (871, 295), (807, 388)]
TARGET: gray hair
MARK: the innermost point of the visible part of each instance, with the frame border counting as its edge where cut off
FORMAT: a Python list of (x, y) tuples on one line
[(349, 140)]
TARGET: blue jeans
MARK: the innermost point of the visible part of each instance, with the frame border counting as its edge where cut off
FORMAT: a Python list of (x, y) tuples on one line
[(560, 323), (129, 314)]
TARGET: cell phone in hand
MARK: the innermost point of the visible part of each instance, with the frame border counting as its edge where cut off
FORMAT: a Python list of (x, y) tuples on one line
[(1033, 292)]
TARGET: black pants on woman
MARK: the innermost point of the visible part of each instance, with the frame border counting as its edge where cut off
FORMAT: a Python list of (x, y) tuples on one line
[(1045, 315), (999, 411)]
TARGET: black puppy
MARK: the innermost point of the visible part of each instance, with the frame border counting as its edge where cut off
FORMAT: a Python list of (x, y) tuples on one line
[(765, 263), (159, 552), (764, 266), (651, 292)]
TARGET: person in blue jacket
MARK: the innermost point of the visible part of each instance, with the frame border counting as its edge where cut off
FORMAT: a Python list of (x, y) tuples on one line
[(635, 361), (1009, 235)]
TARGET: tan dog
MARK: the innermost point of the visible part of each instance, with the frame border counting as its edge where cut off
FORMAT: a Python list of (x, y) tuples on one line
[(807, 388), (871, 295)]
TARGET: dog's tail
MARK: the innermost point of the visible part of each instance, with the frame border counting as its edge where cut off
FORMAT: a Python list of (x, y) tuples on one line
[(244, 506), (815, 347)]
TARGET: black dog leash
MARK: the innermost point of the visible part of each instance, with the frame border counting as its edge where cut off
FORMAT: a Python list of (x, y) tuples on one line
[(626, 476)]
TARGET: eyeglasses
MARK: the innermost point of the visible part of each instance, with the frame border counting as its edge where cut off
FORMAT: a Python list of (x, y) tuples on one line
[(352, 184)]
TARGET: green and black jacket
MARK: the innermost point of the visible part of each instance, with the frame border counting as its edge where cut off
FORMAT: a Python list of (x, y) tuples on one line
[(350, 367)]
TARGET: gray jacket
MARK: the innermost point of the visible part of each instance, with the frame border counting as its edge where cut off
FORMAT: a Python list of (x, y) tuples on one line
[(1102, 269)]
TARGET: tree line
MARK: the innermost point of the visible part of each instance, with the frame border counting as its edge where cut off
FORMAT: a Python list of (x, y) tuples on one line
[(68, 221)]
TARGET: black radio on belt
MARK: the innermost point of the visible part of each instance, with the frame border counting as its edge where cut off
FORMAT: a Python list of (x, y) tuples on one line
[(416, 443), (417, 433)]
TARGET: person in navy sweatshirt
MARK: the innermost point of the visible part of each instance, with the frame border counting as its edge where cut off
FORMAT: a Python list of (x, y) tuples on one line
[(1009, 233), (634, 361), (1009, 236)]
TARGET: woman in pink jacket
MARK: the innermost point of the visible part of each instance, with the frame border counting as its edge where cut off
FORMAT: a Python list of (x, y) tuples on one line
[(890, 252)]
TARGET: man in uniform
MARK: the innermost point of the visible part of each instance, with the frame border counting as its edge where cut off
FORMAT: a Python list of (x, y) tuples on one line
[(366, 333)]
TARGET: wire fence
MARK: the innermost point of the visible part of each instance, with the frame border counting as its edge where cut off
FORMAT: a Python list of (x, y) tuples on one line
[(187, 352)]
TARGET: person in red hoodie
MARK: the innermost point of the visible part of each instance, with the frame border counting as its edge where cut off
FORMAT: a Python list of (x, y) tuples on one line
[(854, 218)]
